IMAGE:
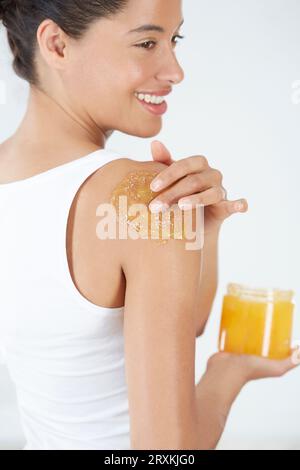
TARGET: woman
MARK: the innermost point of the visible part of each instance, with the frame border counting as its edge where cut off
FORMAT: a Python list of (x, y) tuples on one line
[(99, 334)]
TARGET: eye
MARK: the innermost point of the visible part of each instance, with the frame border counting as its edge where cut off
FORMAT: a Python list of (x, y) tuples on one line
[(179, 37), (144, 44)]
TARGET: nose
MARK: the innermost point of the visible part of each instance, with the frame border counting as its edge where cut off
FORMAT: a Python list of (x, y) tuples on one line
[(171, 70)]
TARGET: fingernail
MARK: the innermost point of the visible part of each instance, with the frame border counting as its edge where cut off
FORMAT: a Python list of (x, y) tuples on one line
[(156, 185), (185, 205), (296, 357), (158, 206), (239, 206)]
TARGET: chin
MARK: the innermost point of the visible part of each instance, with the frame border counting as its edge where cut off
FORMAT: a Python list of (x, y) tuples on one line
[(149, 131)]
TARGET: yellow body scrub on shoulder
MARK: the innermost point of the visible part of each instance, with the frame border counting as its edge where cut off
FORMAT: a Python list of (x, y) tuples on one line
[(135, 189)]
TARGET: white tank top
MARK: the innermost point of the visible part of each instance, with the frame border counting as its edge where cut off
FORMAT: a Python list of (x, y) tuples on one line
[(64, 354)]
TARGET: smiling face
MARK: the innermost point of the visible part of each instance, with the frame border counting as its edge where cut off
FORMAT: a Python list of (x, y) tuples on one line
[(109, 64)]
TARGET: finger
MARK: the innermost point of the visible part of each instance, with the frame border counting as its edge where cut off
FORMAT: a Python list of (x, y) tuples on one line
[(241, 205), (179, 169), (295, 356), (227, 208), (160, 153), (281, 367), (190, 185), (206, 198)]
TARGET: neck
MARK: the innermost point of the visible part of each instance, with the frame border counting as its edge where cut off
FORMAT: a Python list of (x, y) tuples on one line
[(47, 122)]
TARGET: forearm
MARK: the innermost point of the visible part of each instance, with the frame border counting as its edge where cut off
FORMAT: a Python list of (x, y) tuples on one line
[(215, 394), (209, 279)]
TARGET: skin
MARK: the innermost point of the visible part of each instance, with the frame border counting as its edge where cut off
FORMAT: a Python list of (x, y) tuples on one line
[(88, 98)]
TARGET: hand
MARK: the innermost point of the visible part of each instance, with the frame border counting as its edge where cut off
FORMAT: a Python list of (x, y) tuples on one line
[(193, 177), (222, 382), (248, 367)]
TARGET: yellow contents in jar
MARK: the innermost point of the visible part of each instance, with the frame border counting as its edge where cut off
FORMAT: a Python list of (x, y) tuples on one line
[(257, 321)]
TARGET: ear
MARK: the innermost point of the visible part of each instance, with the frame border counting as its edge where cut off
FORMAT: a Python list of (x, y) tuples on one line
[(52, 42)]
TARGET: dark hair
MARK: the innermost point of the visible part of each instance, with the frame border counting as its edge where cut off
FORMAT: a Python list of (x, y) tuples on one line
[(23, 17)]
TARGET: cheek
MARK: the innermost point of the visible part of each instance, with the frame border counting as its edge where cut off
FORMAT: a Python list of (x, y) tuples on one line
[(133, 72), (92, 82), (140, 74), (102, 81)]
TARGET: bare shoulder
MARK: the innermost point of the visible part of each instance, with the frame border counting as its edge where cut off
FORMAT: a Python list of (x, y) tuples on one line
[(133, 178), (99, 188)]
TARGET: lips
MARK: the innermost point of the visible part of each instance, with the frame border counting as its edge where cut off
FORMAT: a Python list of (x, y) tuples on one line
[(158, 109)]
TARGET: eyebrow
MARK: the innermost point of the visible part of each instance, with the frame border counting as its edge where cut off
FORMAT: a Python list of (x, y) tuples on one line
[(150, 27)]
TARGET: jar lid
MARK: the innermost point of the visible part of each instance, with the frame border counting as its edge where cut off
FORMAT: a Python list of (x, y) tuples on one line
[(259, 294)]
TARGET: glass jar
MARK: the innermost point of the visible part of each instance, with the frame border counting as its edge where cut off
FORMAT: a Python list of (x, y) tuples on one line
[(257, 321)]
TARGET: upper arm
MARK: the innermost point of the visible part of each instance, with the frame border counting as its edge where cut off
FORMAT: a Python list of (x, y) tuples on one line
[(162, 282)]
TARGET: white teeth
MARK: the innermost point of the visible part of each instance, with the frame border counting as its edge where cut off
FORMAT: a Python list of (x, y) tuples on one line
[(150, 98)]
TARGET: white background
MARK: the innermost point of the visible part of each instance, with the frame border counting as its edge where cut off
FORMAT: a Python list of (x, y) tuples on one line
[(238, 107)]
